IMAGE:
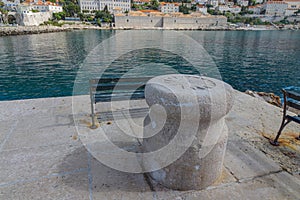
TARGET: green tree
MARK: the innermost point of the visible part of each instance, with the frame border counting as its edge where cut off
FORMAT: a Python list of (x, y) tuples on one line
[(184, 9), (1, 4), (209, 6), (59, 16), (154, 4), (71, 7), (104, 15)]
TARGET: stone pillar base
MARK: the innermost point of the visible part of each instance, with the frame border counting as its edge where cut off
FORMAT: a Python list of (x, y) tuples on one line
[(197, 173)]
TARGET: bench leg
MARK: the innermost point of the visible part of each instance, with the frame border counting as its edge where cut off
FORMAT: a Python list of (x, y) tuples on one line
[(93, 117), (283, 124)]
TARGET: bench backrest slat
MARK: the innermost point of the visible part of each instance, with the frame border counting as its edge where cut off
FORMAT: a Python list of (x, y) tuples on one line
[(117, 89), (119, 80), (293, 104), (119, 98), (111, 86), (292, 99), (293, 95)]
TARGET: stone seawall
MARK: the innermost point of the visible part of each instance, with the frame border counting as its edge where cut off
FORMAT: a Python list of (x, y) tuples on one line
[(22, 30)]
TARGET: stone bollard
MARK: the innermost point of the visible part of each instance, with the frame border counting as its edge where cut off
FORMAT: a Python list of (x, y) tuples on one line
[(189, 110)]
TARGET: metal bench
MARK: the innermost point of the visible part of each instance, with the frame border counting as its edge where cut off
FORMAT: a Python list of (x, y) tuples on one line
[(291, 99), (115, 89)]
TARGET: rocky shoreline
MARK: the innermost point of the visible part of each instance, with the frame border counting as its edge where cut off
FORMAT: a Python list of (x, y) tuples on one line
[(24, 30)]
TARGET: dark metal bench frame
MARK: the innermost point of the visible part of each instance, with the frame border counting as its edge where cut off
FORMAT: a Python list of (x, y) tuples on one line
[(115, 89), (291, 99)]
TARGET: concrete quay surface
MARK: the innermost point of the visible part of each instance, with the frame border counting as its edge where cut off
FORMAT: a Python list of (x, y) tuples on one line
[(42, 157)]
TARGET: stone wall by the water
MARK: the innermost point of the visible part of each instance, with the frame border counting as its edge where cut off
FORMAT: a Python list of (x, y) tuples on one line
[(142, 21), (33, 19), (22, 30)]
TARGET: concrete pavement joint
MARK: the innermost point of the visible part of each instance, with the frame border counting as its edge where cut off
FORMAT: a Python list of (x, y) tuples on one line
[(148, 181), (90, 176), (43, 177), (8, 135), (259, 176), (237, 180)]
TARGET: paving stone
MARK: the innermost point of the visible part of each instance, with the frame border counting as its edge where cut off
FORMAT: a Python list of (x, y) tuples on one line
[(275, 186), (245, 162), (56, 187), (44, 131), (108, 183), (27, 164)]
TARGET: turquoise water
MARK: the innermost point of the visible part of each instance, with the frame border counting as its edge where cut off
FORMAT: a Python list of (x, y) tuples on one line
[(45, 65)]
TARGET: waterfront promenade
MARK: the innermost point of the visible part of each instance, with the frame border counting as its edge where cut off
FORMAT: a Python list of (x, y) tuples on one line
[(42, 157)]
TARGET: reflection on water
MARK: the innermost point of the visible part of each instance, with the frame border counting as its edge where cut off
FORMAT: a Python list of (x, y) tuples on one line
[(45, 65)]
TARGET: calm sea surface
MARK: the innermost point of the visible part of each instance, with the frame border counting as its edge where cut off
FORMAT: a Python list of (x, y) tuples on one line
[(45, 65)]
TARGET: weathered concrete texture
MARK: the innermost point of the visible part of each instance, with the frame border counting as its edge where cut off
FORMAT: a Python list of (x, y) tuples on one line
[(55, 165)]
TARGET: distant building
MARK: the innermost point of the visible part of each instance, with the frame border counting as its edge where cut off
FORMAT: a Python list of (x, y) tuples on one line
[(168, 7), (260, 1), (277, 8), (97, 5), (222, 2), (201, 2), (34, 13), (255, 9), (11, 4), (141, 2), (235, 9), (160, 20), (214, 3), (39, 6), (230, 3), (293, 6), (202, 9), (223, 8), (243, 2)]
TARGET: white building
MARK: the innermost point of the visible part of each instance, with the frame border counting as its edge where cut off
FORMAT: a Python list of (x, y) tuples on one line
[(40, 6), (35, 13), (230, 3), (11, 4), (235, 9), (260, 1), (141, 2), (168, 7), (97, 5), (223, 8), (222, 2), (277, 8), (202, 9), (243, 2), (293, 6), (214, 3), (201, 2)]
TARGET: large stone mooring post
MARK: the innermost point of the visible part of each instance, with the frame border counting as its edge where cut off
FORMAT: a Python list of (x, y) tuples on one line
[(186, 129)]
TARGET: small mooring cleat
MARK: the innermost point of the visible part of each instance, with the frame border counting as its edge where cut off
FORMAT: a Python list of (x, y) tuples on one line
[(274, 143)]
